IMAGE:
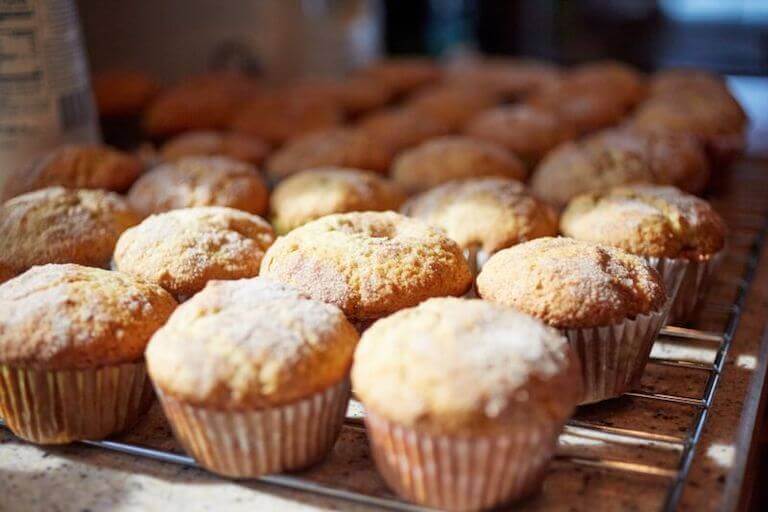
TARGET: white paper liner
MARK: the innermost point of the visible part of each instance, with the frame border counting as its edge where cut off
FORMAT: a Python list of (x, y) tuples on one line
[(613, 357), (461, 473), (693, 287), (248, 444), (61, 406), (672, 271)]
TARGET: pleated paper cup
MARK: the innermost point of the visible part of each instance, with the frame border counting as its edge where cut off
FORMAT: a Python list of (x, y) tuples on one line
[(694, 286), (61, 406), (476, 257), (248, 444), (461, 473), (613, 357), (672, 271)]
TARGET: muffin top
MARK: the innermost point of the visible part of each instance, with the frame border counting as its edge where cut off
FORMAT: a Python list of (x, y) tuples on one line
[(334, 148), (237, 146), (510, 78), (572, 284), (200, 181), (65, 317), (490, 213), (589, 165), (122, 92), (401, 128), (453, 157), (676, 158), (451, 105), (469, 367), (618, 78), (73, 166), (315, 193), (647, 220), (527, 131), (369, 264), (404, 74), (277, 118), (58, 225), (181, 250), (250, 344), (202, 102), (354, 94)]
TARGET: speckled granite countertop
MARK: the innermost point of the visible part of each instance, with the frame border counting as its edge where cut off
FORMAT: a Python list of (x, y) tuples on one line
[(80, 478)]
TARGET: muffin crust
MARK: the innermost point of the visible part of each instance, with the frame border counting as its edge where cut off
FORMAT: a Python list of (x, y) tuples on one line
[(572, 284), (237, 146), (401, 128)]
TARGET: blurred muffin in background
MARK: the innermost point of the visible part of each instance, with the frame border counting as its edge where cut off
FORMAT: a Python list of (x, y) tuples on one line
[(123, 92), (280, 116), (202, 102), (330, 148), (354, 94), (401, 128), (451, 105), (404, 74), (200, 181), (315, 193), (508, 78), (58, 225), (238, 146), (453, 157), (529, 132), (76, 166)]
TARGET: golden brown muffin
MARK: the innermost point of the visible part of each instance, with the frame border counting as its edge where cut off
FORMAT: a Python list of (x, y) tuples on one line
[(489, 213), (202, 102), (315, 193), (616, 78), (510, 78), (200, 181), (57, 225), (451, 105), (401, 128), (676, 158), (529, 132), (238, 146), (355, 94), (442, 367), (454, 157), (250, 344), (572, 284), (574, 168), (370, 264), (403, 75), (648, 221), (76, 166), (182, 250), (278, 117), (122, 92), (67, 317), (674, 81), (331, 148)]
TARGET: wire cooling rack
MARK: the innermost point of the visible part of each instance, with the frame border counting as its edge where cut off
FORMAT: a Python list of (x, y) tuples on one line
[(645, 440)]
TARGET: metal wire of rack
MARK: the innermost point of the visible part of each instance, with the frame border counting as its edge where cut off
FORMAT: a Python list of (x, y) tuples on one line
[(685, 446)]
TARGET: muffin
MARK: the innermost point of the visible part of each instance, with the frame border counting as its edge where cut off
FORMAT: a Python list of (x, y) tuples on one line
[(331, 148), (253, 376), (451, 105), (509, 78), (449, 158), (401, 128), (278, 118), (181, 250), (484, 215), (404, 74), (675, 158), (122, 92), (76, 166), (57, 225), (590, 165), (72, 342), (315, 193), (465, 391), (369, 264), (617, 78), (354, 94), (200, 181), (528, 132), (202, 102), (237, 146), (679, 234), (609, 303)]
